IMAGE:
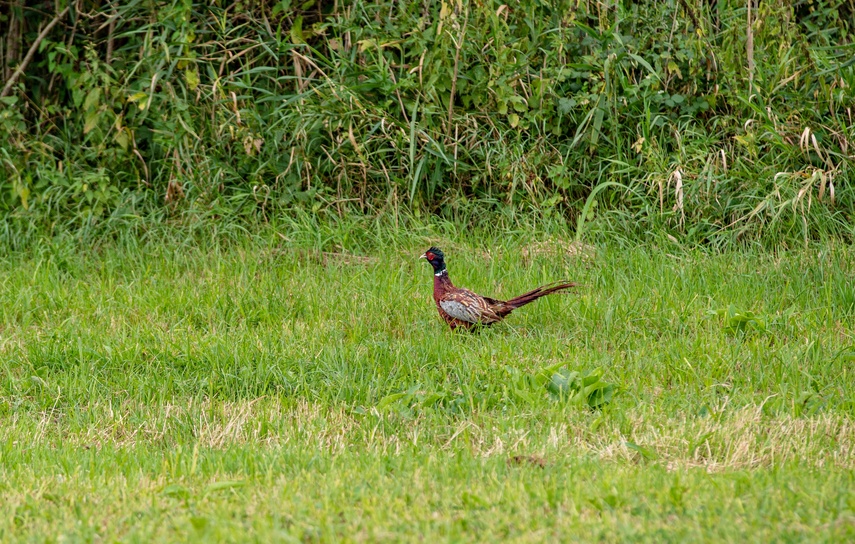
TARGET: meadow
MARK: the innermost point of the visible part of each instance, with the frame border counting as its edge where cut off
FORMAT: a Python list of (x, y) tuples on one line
[(292, 385), (214, 325)]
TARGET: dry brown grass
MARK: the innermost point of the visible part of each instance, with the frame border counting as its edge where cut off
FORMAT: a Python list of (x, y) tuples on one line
[(744, 439), (558, 248)]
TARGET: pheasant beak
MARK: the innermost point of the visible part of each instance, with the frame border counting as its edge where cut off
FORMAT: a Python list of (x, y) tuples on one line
[(424, 256)]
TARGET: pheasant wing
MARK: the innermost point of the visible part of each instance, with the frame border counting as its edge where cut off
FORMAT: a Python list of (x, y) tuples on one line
[(465, 305)]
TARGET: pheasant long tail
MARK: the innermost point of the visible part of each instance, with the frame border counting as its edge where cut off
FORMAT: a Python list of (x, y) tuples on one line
[(541, 291)]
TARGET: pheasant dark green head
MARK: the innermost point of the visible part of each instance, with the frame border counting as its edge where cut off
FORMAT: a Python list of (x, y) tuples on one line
[(436, 259)]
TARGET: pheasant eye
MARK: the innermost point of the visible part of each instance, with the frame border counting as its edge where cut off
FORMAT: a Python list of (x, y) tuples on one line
[(430, 256)]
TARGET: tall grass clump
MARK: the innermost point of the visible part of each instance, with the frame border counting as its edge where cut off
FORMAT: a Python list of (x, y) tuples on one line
[(716, 121)]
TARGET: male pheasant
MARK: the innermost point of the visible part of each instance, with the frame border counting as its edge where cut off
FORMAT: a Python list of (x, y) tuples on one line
[(463, 308)]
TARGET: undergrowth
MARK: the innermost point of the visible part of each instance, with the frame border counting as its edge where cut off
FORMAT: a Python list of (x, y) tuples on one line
[(707, 120)]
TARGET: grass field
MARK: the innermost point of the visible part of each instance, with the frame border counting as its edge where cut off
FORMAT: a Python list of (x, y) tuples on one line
[(262, 392)]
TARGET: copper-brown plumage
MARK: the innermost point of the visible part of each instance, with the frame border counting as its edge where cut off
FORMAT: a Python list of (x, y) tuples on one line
[(462, 308)]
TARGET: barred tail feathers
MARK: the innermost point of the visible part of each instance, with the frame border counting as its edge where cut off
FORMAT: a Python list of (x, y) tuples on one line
[(535, 294)]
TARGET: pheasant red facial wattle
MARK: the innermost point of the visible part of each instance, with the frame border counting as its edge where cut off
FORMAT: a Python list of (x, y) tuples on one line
[(462, 308)]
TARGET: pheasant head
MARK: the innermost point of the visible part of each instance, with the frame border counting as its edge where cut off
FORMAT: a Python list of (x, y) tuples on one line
[(436, 259)]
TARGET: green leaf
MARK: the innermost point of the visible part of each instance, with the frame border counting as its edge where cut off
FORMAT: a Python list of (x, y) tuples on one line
[(431, 399), (177, 491), (563, 383), (591, 378), (297, 31), (566, 105), (191, 76), (580, 130), (24, 195), (672, 67), (93, 99), (389, 400), (647, 453), (283, 5), (122, 139), (91, 121), (365, 45), (588, 30), (741, 321), (140, 97), (598, 125), (599, 394), (645, 64)]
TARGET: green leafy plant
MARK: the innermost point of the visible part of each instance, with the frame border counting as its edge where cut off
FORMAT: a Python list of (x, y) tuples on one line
[(587, 388), (253, 109), (741, 321)]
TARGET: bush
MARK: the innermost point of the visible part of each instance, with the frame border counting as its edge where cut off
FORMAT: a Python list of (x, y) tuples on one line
[(704, 124)]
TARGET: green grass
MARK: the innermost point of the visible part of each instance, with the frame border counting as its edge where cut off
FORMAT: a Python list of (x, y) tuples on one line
[(259, 391)]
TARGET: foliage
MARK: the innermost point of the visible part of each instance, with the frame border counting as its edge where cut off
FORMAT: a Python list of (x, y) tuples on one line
[(251, 108)]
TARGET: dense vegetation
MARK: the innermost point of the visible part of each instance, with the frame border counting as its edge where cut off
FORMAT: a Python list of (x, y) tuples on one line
[(704, 117)]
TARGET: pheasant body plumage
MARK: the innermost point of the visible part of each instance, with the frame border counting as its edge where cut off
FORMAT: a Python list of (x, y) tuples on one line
[(462, 308)]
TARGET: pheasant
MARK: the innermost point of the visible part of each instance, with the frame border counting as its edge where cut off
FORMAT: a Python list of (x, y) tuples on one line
[(463, 308)]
